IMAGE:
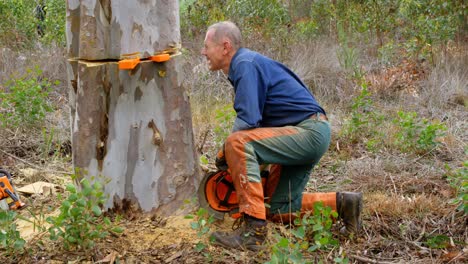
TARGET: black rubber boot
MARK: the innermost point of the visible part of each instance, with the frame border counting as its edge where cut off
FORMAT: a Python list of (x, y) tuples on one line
[(349, 206), (250, 234)]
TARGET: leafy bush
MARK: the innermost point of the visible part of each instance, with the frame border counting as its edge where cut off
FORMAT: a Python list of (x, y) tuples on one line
[(419, 135), (318, 227), (21, 23), (224, 119), (10, 239), (267, 18), (458, 179), (80, 221), (25, 103), (313, 233), (364, 121), (202, 225), (416, 25)]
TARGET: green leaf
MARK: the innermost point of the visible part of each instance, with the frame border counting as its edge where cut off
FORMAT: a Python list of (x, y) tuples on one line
[(204, 160), (96, 210), (75, 212), (19, 244), (81, 202), (195, 225), (199, 246), (202, 222), (317, 227), (313, 248), (118, 230), (72, 198), (284, 243), (71, 239), (205, 230), (71, 188), (324, 241), (299, 232)]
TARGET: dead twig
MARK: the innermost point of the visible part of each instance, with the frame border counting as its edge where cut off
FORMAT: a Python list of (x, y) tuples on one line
[(368, 260), (203, 141)]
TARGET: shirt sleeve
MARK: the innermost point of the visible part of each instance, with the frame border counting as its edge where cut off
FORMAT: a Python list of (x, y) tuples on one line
[(250, 94), (239, 124)]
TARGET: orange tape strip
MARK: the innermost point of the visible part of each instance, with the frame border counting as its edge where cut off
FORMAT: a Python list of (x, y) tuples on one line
[(128, 64), (160, 57)]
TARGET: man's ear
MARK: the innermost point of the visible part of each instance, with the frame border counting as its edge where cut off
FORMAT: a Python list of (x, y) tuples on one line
[(227, 47)]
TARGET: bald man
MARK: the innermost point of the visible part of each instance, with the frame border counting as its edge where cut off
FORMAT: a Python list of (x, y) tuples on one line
[(278, 122)]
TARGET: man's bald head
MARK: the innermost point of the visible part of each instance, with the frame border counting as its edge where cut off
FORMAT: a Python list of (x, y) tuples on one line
[(229, 30)]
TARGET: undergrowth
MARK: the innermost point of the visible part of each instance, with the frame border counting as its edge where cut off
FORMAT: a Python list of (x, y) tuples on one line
[(80, 222), (458, 179), (24, 102), (10, 239), (309, 238), (311, 233)]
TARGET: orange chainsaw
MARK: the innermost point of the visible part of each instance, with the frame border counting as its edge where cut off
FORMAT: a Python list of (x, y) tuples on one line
[(216, 194), (7, 191)]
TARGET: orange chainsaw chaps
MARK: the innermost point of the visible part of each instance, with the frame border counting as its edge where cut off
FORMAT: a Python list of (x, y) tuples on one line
[(308, 202)]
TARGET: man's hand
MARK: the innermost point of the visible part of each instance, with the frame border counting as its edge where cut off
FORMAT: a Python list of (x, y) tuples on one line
[(220, 161)]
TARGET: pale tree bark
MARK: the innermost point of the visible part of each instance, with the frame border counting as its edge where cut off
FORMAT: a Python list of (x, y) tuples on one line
[(131, 129)]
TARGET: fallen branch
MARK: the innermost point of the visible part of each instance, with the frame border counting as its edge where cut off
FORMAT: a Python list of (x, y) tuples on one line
[(368, 260), (33, 165)]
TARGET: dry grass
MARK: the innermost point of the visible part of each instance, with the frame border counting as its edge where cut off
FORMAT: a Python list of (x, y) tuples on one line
[(317, 64), (50, 60), (414, 207), (26, 145), (447, 84)]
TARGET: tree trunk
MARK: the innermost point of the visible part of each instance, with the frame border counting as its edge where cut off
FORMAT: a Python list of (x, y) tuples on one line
[(131, 129), (110, 29)]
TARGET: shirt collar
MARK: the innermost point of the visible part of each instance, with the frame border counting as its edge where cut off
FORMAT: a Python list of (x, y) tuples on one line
[(239, 52)]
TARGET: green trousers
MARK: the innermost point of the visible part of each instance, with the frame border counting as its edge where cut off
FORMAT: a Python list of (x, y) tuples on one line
[(293, 151)]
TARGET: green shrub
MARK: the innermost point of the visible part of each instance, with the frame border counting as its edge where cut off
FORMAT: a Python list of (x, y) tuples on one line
[(312, 234), (25, 103), (437, 241), (458, 179), (415, 134), (364, 122), (20, 23), (428, 23), (266, 18), (225, 117), (202, 225), (416, 25), (80, 222), (286, 251), (318, 227), (10, 239)]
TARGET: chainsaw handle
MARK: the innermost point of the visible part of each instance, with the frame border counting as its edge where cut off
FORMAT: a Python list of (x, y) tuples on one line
[(5, 173)]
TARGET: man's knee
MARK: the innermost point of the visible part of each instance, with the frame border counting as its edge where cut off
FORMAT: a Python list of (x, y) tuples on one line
[(235, 142)]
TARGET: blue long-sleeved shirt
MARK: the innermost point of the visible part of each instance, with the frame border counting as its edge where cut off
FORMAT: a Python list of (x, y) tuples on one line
[(267, 93)]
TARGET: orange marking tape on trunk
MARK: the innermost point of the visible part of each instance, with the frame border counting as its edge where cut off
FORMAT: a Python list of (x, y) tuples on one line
[(160, 57), (128, 64)]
